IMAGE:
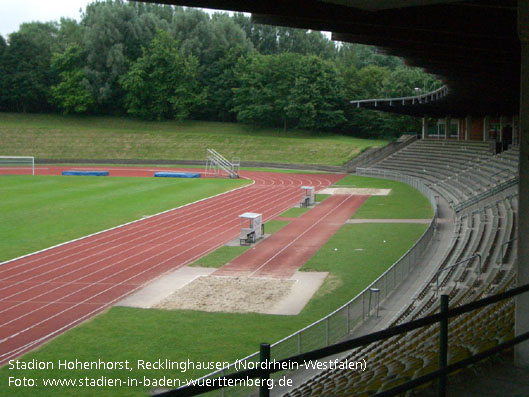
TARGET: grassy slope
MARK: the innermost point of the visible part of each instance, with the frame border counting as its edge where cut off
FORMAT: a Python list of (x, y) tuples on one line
[(404, 202), (41, 211), (52, 136)]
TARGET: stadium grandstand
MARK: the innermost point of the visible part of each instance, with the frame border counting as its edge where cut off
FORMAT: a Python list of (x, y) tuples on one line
[(473, 155)]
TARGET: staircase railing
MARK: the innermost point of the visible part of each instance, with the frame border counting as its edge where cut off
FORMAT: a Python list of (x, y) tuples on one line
[(215, 162)]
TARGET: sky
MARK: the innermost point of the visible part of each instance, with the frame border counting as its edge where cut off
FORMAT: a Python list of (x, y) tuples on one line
[(15, 12)]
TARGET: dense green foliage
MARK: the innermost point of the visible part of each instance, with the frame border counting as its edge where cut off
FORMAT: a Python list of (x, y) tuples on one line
[(161, 62), (72, 94), (289, 90), (162, 83)]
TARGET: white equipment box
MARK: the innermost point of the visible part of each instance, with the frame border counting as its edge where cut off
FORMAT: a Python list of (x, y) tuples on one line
[(308, 196), (251, 227)]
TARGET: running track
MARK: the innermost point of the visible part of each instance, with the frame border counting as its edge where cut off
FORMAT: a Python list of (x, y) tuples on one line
[(284, 252), (46, 293)]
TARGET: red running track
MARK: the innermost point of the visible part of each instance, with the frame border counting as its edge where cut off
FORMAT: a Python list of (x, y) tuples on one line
[(46, 293), (288, 249)]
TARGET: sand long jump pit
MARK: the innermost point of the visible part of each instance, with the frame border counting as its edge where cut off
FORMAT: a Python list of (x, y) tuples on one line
[(193, 288)]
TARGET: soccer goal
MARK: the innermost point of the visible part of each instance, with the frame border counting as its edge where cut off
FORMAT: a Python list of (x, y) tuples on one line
[(17, 165)]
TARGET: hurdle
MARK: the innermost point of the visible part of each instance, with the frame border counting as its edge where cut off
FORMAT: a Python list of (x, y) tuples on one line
[(308, 196), (255, 229)]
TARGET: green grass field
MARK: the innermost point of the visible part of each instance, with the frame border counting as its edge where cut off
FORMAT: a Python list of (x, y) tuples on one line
[(220, 256), (404, 202), (294, 212), (37, 212), (149, 334), (70, 137)]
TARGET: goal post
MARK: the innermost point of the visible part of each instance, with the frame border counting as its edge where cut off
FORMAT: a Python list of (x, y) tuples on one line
[(17, 165)]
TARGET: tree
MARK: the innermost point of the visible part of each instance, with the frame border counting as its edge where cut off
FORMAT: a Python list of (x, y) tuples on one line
[(289, 90), (305, 42), (371, 82), (72, 93), (263, 37), (262, 96), (43, 34), (162, 84), (3, 45), (70, 33), (114, 37), (317, 96), (220, 78), (222, 43), (26, 75), (364, 56), (268, 40)]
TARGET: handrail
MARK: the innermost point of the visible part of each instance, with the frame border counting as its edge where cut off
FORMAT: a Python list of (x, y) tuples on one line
[(422, 98), (221, 159), (503, 245), (486, 194), (502, 171), (455, 265), (270, 367), (221, 162)]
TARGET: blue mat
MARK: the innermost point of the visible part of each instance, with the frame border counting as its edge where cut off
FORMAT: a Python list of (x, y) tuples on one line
[(177, 174), (86, 173)]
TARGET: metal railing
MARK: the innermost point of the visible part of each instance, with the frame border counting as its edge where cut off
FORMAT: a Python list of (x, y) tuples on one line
[(503, 245), (338, 325), (404, 100), (267, 366), (476, 255), (216, 162), (486, 194), (370, 157), (506, 171)]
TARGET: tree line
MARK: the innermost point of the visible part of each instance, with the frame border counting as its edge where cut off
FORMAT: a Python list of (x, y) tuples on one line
[(160, 62)]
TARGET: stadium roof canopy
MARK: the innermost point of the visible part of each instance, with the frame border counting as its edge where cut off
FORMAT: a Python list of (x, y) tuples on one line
[(472, 46)]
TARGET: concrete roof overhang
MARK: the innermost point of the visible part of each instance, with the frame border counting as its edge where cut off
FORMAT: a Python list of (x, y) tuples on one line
[(472, 46)]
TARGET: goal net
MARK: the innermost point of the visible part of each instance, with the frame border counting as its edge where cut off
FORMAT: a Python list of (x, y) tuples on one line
[(22, 165)]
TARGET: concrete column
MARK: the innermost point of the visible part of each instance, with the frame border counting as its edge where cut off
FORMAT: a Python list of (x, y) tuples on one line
[(500, 132), (424, 127), (515, 129), (521, 351), (447, 127), (468, 127), (486, 128)]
